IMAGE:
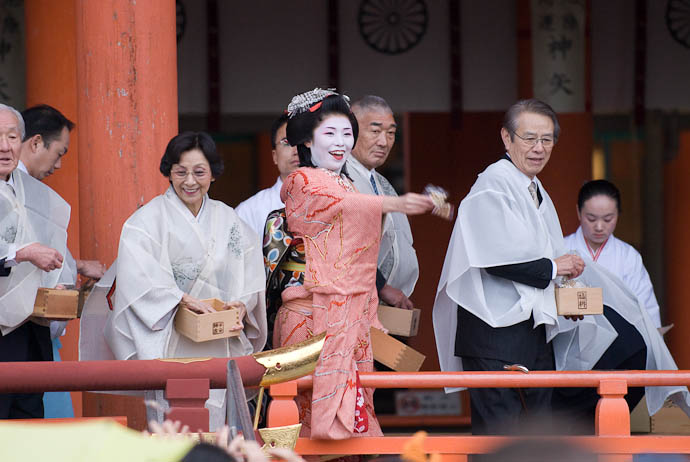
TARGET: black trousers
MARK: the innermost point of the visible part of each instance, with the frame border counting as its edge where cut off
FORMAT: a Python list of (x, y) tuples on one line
[(576, 407), (29, 342), (497, 411), (502, 411)]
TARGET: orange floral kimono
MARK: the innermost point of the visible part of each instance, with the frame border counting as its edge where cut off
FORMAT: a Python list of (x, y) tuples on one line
[(340, 230)]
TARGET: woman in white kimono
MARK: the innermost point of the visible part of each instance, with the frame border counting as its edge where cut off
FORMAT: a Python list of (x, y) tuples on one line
[(598, 206), (176, 250)]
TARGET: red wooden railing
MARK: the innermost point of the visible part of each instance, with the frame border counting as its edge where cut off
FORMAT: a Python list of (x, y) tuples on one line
[(193, 380)]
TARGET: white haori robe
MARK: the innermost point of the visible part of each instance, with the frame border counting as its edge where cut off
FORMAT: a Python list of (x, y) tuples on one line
[(34, 213), (255, 210), (498, 224), (397, 259), (68, 276), (624, 261), (165, 252)]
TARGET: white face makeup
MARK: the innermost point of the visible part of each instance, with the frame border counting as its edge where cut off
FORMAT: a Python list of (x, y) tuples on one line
[(332, 143)]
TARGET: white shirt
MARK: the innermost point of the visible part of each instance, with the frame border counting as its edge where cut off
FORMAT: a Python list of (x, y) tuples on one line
[(255, 210), (624, 261)]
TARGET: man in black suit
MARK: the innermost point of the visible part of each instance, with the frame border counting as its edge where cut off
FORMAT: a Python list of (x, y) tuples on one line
[(20, 340), (495, 305)]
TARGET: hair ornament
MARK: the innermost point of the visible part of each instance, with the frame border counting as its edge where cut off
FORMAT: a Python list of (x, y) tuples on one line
[(308, 101)]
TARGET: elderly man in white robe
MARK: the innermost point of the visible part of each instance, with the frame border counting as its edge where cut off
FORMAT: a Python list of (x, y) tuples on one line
[(255, 209), (397, 262), (178, 249), (495, 304), (33, 240)]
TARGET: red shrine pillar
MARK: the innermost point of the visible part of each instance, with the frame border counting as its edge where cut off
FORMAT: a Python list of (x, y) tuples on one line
[(51, 76), (677, 211), (127, 101), (127, 112)]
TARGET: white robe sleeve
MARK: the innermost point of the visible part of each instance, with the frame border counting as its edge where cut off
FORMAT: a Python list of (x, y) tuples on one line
[(638, 279)]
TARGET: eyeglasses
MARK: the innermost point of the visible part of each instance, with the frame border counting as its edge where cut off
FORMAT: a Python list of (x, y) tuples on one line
[(198, 174), (533, 140)]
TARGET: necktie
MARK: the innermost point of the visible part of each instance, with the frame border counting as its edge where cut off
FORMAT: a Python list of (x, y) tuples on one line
[(532, 188), (373, 184)]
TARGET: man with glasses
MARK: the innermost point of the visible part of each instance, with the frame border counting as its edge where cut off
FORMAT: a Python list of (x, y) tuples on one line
[(254, 210), (495, 305)]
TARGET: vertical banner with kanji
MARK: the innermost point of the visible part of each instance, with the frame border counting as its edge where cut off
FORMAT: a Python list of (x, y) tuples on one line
[(12, 55), (558, 53)]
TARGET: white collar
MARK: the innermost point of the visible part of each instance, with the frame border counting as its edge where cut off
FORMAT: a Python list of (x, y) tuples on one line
[(22, 167)]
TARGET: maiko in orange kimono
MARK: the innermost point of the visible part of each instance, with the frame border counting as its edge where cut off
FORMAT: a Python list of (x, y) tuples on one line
[(340, 230)]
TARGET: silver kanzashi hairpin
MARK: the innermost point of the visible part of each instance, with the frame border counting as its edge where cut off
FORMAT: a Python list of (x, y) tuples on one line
[(304, 101)]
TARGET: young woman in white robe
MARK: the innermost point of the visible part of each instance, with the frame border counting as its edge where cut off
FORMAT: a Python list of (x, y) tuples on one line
[(176, 250), (598, 206)]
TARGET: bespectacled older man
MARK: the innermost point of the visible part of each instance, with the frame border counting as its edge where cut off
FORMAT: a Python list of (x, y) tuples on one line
[(31, 216), (495, 305)]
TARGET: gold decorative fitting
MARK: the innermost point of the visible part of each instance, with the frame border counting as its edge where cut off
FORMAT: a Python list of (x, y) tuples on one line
[(290, 362), (280, 437)]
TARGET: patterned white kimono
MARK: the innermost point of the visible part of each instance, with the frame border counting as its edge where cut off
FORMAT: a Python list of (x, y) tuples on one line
[(165, 252)]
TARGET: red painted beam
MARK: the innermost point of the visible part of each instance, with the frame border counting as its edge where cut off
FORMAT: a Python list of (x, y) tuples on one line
[(32, 377), (536, 379)]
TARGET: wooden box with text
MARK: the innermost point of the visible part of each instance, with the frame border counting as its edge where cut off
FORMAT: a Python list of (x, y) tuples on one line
[(573, 301), (669, 420), (56, 303), (399, 321), (394, 353), (208, 326)]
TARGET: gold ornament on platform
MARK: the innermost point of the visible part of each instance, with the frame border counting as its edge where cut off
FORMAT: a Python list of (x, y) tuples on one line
[(280, 437), (290, 362)]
